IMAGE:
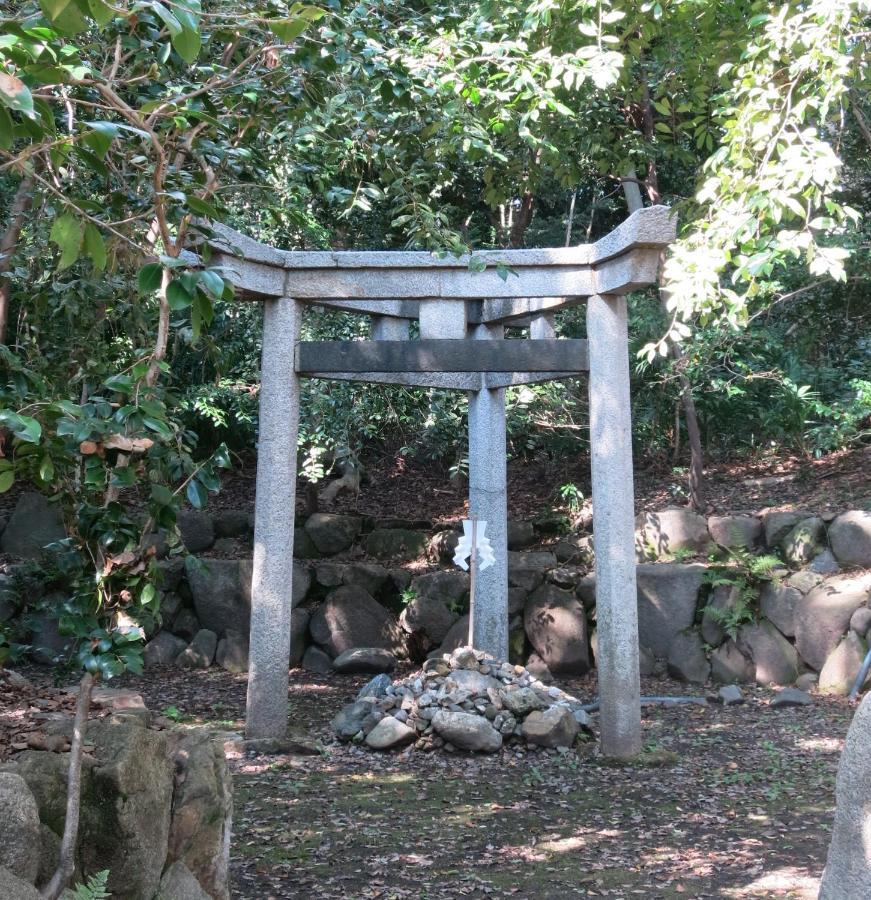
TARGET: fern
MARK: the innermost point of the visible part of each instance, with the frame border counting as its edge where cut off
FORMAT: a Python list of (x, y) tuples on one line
[(95, 889)]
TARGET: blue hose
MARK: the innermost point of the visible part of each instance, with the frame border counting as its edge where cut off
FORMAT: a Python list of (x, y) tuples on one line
[(860, 678)]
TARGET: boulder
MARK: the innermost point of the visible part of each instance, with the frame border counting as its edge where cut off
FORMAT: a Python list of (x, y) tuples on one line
[(390, 733), (19, 828), (299, 619), (364, 660), (823, 615), (824, 563), (457, 636), (395, 543), (556, 626), (729, 665), (377, 687), (537, 667), (667, 598), (471, 682), (178, 883), (369, 576), (577, 549), (847, 875), (723, 600), (163, 649), (445, 585), (186, 624), (466, 731), (522, 701), (315, 660), (516, 601), (777, 602), (443, 545), (49, 855), (540, 560), (807, 681), (659, 534), (232, 523), (47, 644), (202, 810), (842, 666), (35, 523), (232, 652), (804, 541), (860, 621), (778, 523), (354, 718), (350, 617), (197, 530), (332, 533), (10, 603), (520, 535), (735, 531), (14, 888), (303, 545), (850, 538), (772, 654), (552, 727), (171, 573), (586, 591), (646, 661), (200, 653), (686, 658), (730, 695), (429, 618)]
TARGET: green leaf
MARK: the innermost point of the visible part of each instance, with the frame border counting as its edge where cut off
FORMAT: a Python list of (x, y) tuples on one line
[(149, 278), (5, 128), (288, 29), (202, 207), (212, 282), (187, 43), (65, 15), (197, 494), (67, 234), (95, 247), (15, 94), (46, 468), (6, 481), (173, 25), (101, 11), (177, 296), (161, 494)]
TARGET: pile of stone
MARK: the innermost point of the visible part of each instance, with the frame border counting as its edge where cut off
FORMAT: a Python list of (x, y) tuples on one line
[(463, 700)]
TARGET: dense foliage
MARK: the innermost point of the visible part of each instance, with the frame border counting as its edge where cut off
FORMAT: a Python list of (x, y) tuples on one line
[(127, 128)]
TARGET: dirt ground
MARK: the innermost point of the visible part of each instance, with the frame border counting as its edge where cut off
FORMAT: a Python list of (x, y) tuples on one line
[(730, 802)]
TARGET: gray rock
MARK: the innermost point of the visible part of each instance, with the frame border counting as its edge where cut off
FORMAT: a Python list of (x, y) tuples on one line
[(232, 523), (586, 591), (329, 573), (390, 733), (646, 661), (552, 727), (520, 535), (541, 560), (19, 827), (369, 576), (686, 658), (847, 875), (777, 602), (377, 687), (850, 537), (578, 550), (807, 682), (466, 731), (170, 604), (449, 587), (48, 645), (823, 615), (200, 653), (232, 652), (777, 524), (186, 624), (350, 617), (659, 534), (730, 695), (722, 601), (729, 665), (522, 701), (824, 563), (842, 666), (332, 533), (202, 810), (395, 543), (803, 581), (315, 660), (197, 530), (364, 660), (303, 545), (171, 572), (163, 649), (299, 619), (537, 667), (14, 888), (429, 618), (35, 523), (457, 636), (516, 601), (772, 654), (556, 626), (222, 596), (735, 531), (667, 598), (177, 883), (804, 541), (790, 697), (860, 621), (354, 718), (471, 682), (443, 545), (49, 855), (10, 603), (526, 580)]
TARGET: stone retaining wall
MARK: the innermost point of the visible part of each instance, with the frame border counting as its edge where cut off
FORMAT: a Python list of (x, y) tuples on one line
[(389, 584)]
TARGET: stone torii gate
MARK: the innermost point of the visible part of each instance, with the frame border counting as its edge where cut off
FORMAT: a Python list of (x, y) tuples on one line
[(462, 311)]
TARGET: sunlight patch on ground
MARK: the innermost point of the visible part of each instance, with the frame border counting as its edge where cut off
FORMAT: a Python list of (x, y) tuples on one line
[(817, 744), (786, 882)]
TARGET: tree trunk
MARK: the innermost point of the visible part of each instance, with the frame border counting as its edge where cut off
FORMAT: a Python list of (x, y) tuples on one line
[(17, 213)]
